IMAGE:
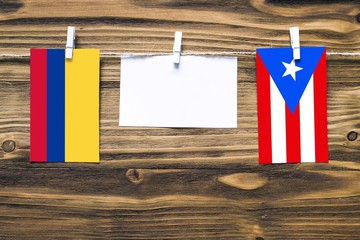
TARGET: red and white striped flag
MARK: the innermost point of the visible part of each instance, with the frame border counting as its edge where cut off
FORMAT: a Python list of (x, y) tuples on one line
[(292, 116)]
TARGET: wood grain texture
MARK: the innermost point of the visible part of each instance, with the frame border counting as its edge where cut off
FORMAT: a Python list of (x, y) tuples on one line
[(165, 183)]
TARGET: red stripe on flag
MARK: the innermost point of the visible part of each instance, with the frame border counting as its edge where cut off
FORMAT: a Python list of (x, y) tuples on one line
[(264, 112), (293, 154), (38, 105), (320, 89)]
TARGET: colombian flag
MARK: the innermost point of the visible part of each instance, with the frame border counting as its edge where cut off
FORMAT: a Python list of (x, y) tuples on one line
[(64, 105)]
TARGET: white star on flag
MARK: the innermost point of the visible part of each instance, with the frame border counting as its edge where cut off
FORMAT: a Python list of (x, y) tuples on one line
[(291, 69)]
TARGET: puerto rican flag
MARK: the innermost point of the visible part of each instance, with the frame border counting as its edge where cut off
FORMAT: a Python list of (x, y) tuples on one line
[(292, 116)]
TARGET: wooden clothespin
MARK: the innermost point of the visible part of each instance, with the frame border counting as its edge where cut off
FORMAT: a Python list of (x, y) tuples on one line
[(177, 47), (70, 42), (295, 42)]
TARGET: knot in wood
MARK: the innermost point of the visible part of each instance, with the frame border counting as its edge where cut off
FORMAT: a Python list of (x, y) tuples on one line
[(358, 18), (259, 238), (352, 136), (135, 176), (8, 146)]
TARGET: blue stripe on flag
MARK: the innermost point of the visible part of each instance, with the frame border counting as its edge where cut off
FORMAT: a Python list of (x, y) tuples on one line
[(56, 105)]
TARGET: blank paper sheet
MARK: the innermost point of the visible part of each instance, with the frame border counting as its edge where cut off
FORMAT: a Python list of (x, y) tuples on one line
[(200, 92)]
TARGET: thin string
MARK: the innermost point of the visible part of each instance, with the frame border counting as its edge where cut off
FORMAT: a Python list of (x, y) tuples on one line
[(128, 54), (125, 54)]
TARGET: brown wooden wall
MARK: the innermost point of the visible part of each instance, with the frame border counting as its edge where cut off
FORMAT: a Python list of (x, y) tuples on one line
[(180, 183)]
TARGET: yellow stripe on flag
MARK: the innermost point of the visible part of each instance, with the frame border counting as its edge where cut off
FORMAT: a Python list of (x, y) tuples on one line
[(82, 106)]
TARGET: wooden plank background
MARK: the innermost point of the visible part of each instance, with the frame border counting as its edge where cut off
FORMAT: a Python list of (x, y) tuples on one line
[(180, 183)]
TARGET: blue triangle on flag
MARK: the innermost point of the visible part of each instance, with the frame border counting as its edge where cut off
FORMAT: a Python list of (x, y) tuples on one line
[(275, 60)]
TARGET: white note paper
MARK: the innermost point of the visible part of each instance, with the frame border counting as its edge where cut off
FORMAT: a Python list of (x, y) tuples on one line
[(200, 92)]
